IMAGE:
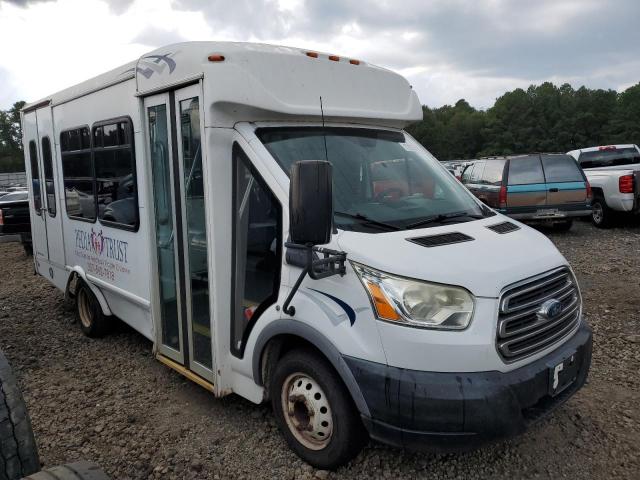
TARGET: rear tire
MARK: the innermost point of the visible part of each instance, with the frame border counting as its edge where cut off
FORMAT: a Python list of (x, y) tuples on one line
[(314, 411), (93, 322), (18, 451), (72, 471), (563, 226), (601, 215)]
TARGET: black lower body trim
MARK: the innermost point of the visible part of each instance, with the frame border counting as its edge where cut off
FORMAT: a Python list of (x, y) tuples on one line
[(457, 411)]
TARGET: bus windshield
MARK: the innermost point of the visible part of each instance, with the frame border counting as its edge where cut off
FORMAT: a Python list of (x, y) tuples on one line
[(382, 180)]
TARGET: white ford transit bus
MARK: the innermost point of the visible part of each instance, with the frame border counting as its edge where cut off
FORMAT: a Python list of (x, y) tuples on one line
[(260, 215)]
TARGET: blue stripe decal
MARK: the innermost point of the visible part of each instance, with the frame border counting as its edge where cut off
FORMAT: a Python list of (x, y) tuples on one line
[(347, 309), (541, 187)]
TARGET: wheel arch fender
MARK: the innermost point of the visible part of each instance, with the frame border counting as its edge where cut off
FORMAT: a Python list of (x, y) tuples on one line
[(291, 328), (78, 272)]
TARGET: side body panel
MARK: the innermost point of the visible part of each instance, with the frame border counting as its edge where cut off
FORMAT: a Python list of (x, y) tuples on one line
[(114, 260)]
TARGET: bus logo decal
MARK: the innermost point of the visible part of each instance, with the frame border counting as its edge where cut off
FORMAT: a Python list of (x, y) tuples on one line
[(151, 64)]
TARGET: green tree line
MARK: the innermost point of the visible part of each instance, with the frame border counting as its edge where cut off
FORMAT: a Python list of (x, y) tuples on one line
[(542, 118), (11, 156)]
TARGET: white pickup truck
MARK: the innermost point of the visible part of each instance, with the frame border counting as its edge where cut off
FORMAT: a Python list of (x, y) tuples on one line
[(614, 174)]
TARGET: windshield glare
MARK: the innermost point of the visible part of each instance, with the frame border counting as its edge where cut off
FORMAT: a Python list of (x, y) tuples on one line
[(609, 157), (378, 175)]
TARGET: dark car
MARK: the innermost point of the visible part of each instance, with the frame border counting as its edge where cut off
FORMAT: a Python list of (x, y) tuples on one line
[(540, 188), (14, 217)]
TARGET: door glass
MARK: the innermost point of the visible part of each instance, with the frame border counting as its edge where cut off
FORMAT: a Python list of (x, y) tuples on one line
[(35, 176), (50, 188), (196, 231), (257, 215), (165, 237)]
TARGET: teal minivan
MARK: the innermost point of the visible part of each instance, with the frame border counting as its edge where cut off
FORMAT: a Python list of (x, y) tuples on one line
[(537, 188)]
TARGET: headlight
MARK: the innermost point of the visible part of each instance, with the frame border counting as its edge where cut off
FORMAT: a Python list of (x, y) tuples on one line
[(416, 303)]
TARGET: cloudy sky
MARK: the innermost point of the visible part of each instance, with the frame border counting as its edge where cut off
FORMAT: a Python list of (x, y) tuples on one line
[(448, 49)]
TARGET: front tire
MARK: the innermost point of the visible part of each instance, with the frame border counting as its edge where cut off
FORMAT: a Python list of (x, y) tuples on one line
[(314, 411), (93, 322), (601, 215)]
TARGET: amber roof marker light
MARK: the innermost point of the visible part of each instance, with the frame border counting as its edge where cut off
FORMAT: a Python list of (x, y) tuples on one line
[(334, 58), (354, 62), (216, 57), (312, 54)]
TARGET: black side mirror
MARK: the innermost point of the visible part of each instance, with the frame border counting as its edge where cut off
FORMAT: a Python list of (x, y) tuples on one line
[(310, 202)]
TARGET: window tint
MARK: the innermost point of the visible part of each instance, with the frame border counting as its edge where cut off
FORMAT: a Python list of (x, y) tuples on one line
[(77, 171), (50, 188), (561, 168), (609, 157), (115, 174), (35, 176), (257, 218), (493, 171), (476, 176), (525, 170)]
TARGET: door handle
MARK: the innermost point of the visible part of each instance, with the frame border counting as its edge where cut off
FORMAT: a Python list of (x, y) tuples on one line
[(553, 190)]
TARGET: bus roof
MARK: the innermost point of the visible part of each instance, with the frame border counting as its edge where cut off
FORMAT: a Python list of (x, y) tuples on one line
[(250, 82)]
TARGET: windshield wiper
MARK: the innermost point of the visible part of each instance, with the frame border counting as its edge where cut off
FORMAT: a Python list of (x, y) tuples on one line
[(364, 219), (441, 218)]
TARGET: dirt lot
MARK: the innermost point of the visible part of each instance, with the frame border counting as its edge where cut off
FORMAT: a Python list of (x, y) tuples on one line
[(109, 401)]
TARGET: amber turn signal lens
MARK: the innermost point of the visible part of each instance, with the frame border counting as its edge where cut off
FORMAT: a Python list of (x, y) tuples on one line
[(383, 307)]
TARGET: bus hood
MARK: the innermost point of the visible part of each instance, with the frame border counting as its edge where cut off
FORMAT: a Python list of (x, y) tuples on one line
[(484, 265)]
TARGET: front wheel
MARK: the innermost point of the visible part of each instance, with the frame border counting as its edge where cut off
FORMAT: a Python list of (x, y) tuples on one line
[(314, 411)]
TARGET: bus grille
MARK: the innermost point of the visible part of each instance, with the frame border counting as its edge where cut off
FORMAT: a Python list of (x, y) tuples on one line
[(523, 327)]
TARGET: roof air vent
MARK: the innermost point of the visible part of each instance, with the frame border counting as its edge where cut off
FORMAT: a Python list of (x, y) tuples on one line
[(442, 239)]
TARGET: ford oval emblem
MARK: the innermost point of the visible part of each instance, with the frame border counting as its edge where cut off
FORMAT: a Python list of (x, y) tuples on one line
[(550, 309)]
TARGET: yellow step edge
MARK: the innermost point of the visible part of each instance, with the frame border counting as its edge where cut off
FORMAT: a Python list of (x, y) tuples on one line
[(187, 373)]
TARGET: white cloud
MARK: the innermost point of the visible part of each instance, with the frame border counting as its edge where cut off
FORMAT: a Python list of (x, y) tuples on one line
[(448, 49)]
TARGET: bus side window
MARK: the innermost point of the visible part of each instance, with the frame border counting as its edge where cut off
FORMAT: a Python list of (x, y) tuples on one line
[(257, 231)]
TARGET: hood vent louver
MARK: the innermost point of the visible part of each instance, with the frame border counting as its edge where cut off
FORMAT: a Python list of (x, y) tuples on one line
[(504, 227), (442, 239)]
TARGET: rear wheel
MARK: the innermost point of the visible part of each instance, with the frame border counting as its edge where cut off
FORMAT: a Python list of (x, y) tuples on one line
[(314, 411), (18, 451), (601, 215), (563, 226), (93, 322)]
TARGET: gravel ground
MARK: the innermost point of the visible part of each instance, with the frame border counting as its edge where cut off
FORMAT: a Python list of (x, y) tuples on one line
[(111, 402)]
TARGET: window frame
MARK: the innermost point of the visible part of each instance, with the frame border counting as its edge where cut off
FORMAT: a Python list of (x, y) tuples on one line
[(127, 119), (53, 176), (93, 173), (238, 154)]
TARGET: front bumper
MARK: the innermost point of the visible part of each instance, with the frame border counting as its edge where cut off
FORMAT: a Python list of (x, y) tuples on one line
[(457, 411)]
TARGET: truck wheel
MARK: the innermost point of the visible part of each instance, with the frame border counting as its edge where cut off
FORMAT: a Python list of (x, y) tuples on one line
[(73, 471), (563, 226), (314, 411), (93, 322), (18, 451), (601, 215)]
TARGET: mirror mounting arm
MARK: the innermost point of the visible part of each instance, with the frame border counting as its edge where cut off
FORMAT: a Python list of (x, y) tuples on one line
[(331, 263)]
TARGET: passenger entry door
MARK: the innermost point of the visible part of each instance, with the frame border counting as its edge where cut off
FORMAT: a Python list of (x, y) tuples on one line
[(175, 127), (36, 187)]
